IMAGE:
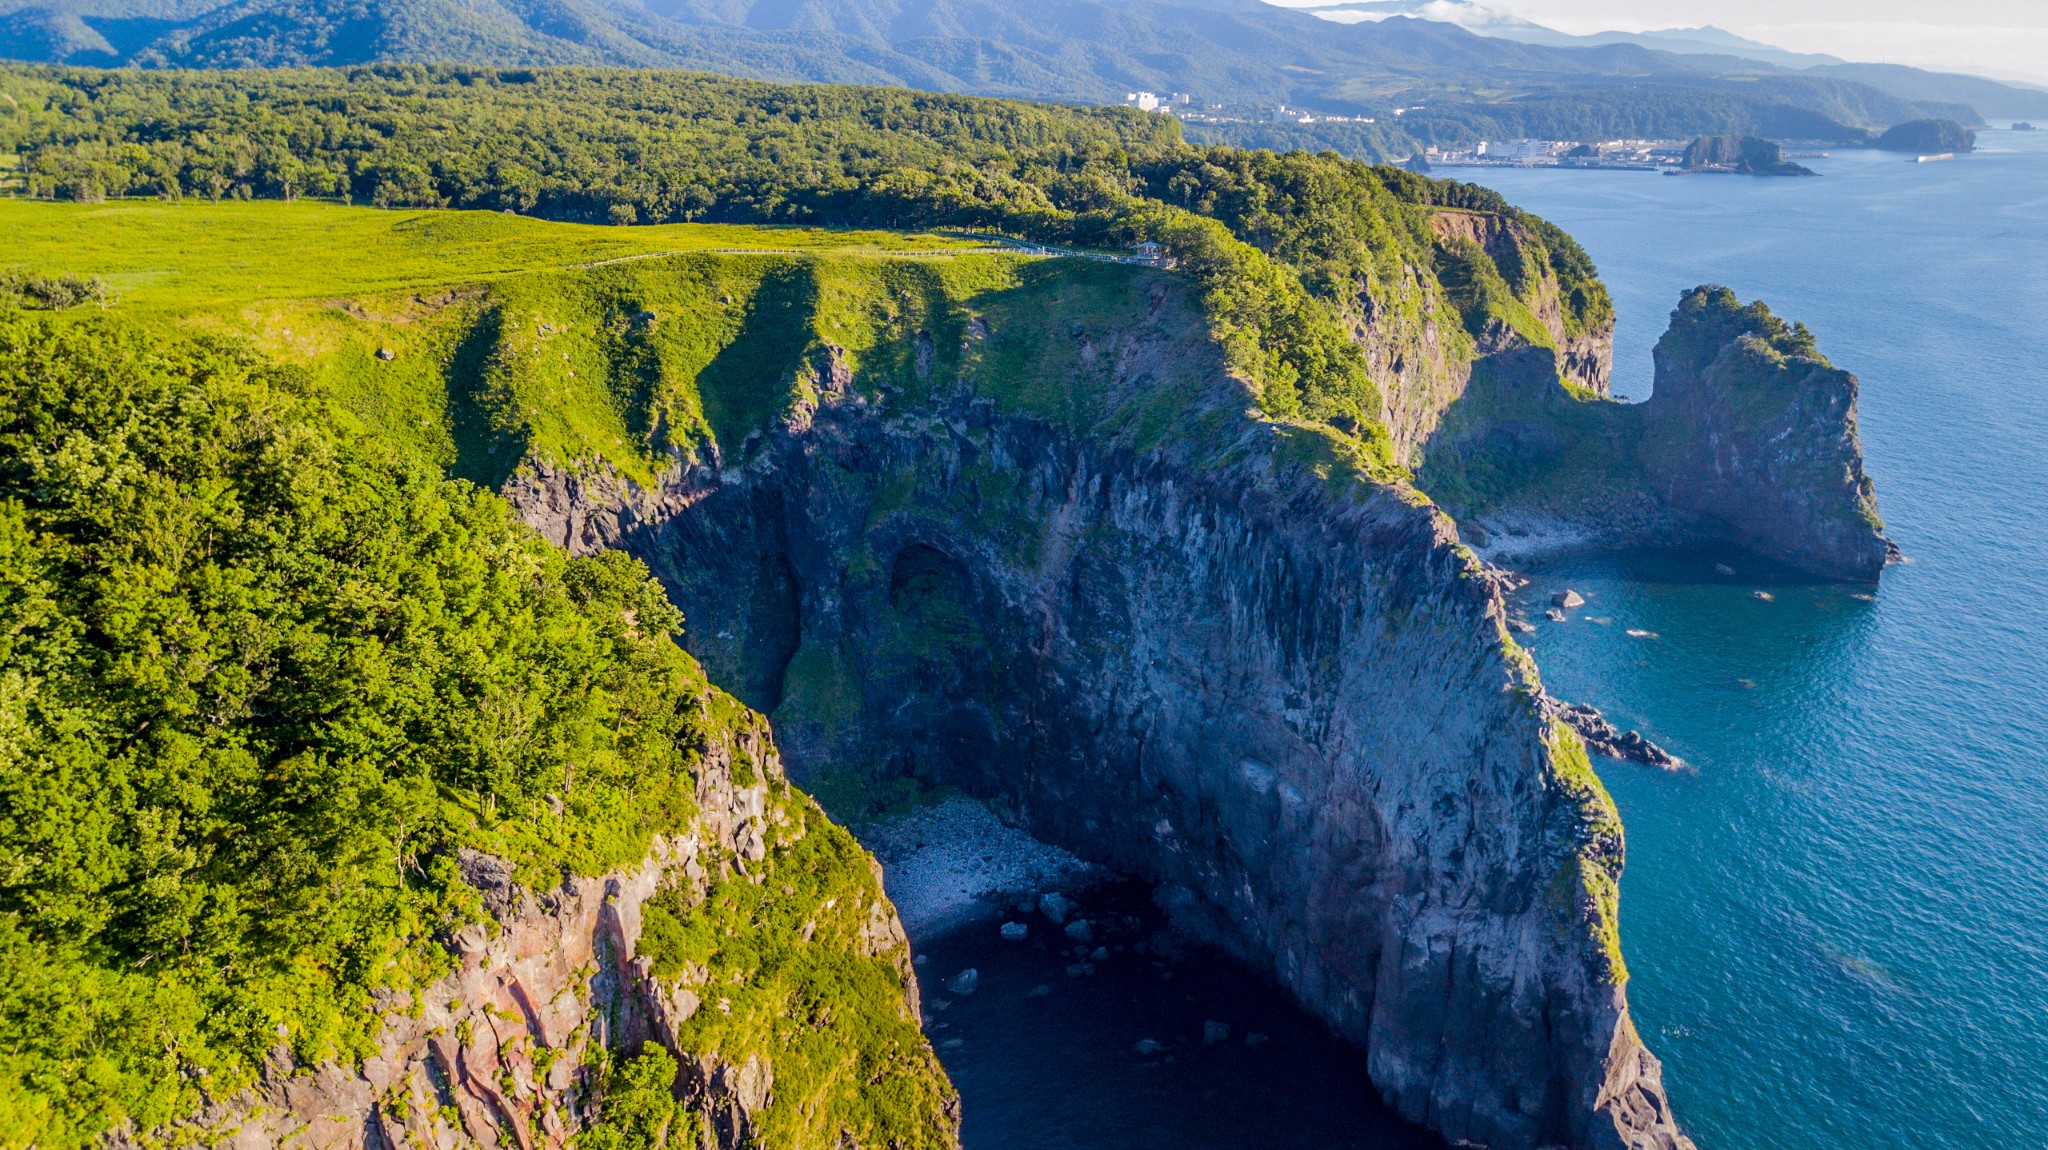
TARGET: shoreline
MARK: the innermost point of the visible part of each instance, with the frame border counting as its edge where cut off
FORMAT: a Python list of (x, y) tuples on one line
[(954, 863)]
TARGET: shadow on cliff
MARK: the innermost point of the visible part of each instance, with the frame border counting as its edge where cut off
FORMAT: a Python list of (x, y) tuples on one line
[(487, 449)]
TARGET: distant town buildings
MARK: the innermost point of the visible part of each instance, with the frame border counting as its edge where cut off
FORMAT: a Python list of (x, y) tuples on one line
[(1514, 150), (1643, 154), (1184, 105)]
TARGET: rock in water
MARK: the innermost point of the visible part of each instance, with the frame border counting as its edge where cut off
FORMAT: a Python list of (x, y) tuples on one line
[(965, 983), (1015, 931), (1079, 930), (1055, 906), (1215, 1032), (1568, 599), (1604, 738), (1752, 428)]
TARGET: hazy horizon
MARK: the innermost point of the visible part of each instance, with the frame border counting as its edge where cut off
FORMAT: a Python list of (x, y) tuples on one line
[(2004, 38)]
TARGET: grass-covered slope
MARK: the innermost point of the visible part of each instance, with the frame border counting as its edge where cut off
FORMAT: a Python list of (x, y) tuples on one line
[(478, 340), (260, 679)]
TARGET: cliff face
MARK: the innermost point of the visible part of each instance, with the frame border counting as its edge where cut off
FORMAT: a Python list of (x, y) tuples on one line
[(507, 1050), (1750, 439), (1212, 655), (1492, 297)]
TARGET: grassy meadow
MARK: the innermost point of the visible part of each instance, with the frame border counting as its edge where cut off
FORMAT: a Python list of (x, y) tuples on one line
[(475, 338)]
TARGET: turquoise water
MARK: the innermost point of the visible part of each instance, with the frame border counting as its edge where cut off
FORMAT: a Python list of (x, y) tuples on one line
[(1837, 926)]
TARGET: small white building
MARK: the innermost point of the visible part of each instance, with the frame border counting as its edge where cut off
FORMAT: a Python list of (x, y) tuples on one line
[(1516, 150), (1143, 101)]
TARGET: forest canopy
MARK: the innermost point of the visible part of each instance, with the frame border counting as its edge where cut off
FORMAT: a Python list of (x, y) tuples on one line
[(259, 683)]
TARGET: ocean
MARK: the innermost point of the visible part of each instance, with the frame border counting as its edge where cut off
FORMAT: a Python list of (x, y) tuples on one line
[(1837, 922)]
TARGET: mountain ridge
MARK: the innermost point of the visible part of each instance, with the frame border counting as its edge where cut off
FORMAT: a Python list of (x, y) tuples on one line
[(1242, 54)]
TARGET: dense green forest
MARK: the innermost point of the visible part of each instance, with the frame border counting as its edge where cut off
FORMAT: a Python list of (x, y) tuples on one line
[(257, 683), (1241, 55), (260, 680)]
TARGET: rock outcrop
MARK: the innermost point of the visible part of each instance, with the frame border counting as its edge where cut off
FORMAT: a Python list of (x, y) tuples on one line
[(1216, 656), (1749, 440), (1423, 341), (1752, 430), (1740, 155), (505, 1052)]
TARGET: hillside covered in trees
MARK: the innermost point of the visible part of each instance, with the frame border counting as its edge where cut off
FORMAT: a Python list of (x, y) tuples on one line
[(1243, 56)]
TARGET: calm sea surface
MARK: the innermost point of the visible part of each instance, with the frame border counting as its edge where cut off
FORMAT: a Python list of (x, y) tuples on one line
[(1838, 927)]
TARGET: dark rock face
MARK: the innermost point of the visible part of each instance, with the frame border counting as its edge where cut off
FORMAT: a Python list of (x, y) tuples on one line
[(1754, 431), (1289, 700)]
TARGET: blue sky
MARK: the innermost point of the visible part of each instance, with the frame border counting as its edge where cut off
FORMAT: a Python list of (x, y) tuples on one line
[(1994, 37)]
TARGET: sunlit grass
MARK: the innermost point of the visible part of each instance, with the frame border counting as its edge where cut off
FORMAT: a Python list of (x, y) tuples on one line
[(193, 256)]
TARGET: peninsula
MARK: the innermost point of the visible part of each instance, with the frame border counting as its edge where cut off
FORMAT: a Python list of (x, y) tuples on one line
[(1171, 561)]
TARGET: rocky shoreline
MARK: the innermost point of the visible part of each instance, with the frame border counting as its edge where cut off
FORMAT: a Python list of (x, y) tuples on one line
[(1602, 737), (954, 863)]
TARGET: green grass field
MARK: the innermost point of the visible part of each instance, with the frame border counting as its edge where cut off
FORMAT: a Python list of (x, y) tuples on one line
[(474, 338), (479, 339), (182, 258)]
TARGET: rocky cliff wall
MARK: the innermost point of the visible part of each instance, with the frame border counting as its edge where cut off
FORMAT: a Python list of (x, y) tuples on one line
[(1217, 658), (507, 1052), (1424, 332)]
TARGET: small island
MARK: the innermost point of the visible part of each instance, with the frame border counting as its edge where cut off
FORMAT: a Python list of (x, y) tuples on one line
[(2023, 126), (1927, 137), (1739, 155)]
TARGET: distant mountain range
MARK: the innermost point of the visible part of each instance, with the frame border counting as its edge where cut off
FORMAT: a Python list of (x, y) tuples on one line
[(1358, 59), (1474, 16)]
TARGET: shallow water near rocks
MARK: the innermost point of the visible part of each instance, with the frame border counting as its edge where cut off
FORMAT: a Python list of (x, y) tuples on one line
[(1837, 922), (1062, 1069)]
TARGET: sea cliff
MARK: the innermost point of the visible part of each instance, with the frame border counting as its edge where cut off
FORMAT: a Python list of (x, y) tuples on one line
[(1212, 652)]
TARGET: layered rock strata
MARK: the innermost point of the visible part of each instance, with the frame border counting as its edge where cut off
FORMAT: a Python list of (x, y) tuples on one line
[(1218, 658)]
